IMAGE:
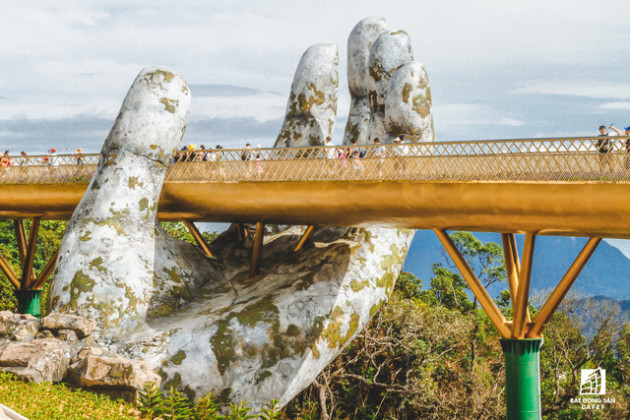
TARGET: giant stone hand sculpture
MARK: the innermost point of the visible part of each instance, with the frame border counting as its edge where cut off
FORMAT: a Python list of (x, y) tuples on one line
[(203, 324)]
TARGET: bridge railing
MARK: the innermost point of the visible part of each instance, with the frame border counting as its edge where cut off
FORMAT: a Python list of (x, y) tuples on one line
[(541, 160)]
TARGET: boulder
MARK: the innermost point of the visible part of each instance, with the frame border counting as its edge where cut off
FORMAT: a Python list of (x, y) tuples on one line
[(95, 367), (39, 360), (18, 327), (80, 325)]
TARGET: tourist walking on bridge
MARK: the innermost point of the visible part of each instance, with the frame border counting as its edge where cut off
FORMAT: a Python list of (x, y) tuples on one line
[(331, 155), (400, 152), (604, 146)]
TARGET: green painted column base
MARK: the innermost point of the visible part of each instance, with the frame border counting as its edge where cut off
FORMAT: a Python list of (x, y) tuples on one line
[(29, 301), (522, 378)]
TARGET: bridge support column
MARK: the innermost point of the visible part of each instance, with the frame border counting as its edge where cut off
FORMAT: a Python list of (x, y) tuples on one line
[(522, 378), (259, 236), (29, 301)]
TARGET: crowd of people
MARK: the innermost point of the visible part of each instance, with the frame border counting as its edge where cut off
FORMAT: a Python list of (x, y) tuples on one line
[(338, 157), (50, 159)]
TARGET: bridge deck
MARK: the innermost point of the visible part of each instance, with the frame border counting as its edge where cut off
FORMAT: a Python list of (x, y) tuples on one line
[(549, 186)]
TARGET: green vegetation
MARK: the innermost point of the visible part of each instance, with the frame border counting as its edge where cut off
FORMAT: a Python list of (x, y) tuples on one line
[(59, 402)]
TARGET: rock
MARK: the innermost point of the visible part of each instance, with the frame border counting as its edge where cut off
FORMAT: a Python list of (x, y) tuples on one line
[(312, 104), (69, 336), (389, 51), (408, 104), (96, 367), (360, 42), (40, 360), (80, 325), (18, 327), (45, 334)]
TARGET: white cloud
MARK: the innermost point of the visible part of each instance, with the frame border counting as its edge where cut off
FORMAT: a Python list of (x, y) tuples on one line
[(583, 88), (615, 105), (470, 114)]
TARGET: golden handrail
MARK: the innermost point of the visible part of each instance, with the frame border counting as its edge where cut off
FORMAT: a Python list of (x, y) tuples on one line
[(538, 160)]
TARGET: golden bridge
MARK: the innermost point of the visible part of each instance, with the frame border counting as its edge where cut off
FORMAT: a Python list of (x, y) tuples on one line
[(560, 186)]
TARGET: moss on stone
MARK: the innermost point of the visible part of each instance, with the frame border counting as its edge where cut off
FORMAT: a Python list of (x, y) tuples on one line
[(86, 236), (223, 345), (262, 311), (173, 382), (293, 330), (178, 357), (264, 375)]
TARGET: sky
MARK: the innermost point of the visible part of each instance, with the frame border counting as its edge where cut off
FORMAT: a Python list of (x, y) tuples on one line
[(497, 69)]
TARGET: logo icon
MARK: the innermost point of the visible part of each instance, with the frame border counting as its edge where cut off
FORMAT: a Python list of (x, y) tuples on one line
[(593, 382)]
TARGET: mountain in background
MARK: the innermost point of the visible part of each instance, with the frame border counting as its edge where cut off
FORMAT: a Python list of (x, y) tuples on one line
[(606, 274)]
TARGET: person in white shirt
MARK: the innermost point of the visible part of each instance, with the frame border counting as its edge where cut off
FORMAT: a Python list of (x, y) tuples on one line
[(331, 155), (400, 152)]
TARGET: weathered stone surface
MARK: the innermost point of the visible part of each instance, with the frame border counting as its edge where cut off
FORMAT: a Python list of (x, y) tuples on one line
[(360, 42), (18, 327), (312, 104), (80, 325), (69, 336), (97, 367), (116, 265), (389, 51), (408, 105), (40, 360)]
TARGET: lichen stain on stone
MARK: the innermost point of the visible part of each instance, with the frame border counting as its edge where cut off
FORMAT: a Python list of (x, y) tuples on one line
[(169, 104), (405, 92), (134, 182), (81, 282), (86, 236), (168, 76), (421, 105), (357, 285), (143, 204), (96, 264)]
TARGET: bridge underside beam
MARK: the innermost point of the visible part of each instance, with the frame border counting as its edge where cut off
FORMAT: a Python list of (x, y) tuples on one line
[(562, 288), (8, 271), (486, 302), (199, 238), (519, 280), (38, 282), (308, 234)]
